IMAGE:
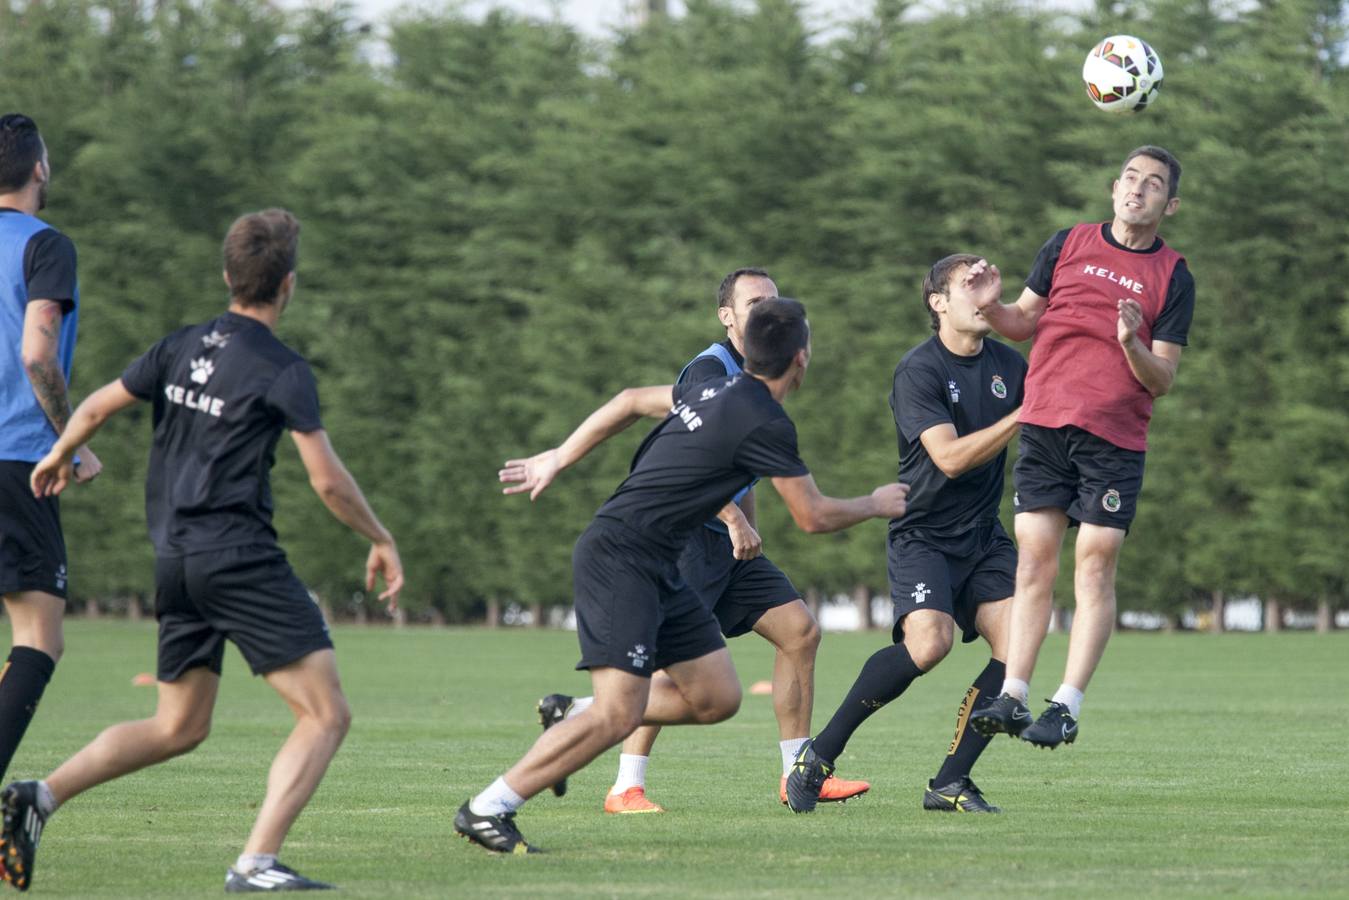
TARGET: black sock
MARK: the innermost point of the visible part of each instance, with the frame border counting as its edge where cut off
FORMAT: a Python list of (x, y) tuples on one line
[(968, 743), (884, 677), (22, 682)]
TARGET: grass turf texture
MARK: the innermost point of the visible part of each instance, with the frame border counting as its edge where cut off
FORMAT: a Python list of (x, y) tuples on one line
[(1207, 765)]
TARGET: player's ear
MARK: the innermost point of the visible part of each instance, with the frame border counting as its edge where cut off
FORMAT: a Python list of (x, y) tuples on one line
[(226, 275), (725, 315), (1171, 206), (936, 302)]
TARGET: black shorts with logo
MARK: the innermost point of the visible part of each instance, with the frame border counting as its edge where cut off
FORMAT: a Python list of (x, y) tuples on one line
[(32, 548), (633, 610), (1086, 476), (951, 575), (248, 595), (738, 591)]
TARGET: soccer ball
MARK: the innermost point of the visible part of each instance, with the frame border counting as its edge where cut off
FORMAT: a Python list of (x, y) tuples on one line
[(1123, 74)]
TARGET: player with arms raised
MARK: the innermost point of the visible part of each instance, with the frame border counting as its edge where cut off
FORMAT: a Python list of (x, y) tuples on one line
[(1109, 306)]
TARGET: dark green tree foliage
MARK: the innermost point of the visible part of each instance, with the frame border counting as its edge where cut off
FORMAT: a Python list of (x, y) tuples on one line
[(505, 223)]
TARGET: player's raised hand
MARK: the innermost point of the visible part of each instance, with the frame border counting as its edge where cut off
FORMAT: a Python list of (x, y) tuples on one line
[(984, 282), (51, 475), (532, 474), (1130, 320), (892, 500), (385, 563), (89, 466)]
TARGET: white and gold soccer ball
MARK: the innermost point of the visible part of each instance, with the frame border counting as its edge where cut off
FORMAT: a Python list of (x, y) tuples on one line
[(1123, 74)]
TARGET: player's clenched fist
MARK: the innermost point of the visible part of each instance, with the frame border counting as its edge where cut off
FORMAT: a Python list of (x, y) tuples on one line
[(891, 500)]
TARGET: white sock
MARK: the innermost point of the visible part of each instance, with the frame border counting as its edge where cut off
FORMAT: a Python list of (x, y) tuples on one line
[(253, 862), (1070, 697), (579, 705), (631, 772), (789, 751), (496, 800), (46, 801), (1017, 688)]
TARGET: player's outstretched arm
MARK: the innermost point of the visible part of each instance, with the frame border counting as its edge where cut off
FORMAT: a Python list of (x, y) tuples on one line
[(39, 350), (815, 513), (957, 455), (1155, 369), (339, 492), (535, 473), (1014, 321), (56, 469)]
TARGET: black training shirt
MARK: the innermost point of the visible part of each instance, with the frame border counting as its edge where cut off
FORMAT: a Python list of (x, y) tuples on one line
[(719, 437), (1173, 322), (709, 368), (934, 386), (223, 392)]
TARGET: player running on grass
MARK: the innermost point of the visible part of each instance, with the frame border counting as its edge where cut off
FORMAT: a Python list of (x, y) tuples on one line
[(1109, 305), (222, 392), (634, 613), (955, 399), (724, 565)]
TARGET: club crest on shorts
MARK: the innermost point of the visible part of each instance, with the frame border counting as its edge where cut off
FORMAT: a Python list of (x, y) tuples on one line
[(999, 387), (1111, 501)]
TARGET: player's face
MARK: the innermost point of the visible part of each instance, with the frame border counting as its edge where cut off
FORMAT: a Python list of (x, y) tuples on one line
[(749, 290), (957, 306), (1140, 193)]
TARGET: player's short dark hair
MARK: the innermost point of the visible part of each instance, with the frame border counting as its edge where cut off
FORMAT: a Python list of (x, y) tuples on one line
[(727, 287), (20, 150), (776, 330), (260, 251), (1163, 156), (938, 280)]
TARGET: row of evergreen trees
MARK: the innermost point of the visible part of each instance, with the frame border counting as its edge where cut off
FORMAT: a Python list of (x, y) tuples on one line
[(505, 222)]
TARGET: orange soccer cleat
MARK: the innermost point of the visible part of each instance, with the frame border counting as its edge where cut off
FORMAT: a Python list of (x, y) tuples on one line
[(835, 790), (630, 802)]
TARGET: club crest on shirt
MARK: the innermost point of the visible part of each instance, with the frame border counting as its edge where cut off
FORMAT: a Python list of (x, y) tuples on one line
[(1111, 501), (999, 387), (954, 389)]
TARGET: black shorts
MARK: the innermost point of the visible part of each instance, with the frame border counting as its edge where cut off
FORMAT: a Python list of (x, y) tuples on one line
[(247, 594), (738, 591), (951, 575), (32, 548), (633, 610), (1087, 477)]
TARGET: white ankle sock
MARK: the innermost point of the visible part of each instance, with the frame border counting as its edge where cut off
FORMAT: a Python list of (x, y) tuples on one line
[(789, 751), (579, 705), (1070, 697), (631, 772), (252, 862), (46, 801), (497, 799), (1017, 688)]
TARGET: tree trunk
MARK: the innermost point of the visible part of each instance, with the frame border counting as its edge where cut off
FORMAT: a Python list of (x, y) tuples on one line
[(537, 614), (91, 610), (1217, 625), (1325, 618), (1273, 615), (399, 616), (134, 611), (493, 612), (861, 596)]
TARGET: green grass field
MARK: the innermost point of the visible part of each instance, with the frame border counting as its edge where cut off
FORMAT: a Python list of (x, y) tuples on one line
[(1207, 765)]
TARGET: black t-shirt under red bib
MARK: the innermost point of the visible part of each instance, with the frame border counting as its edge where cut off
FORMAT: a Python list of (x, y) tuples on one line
[(1079, 374)]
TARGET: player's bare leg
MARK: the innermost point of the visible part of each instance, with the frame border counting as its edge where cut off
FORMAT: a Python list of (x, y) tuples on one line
[(627, 796), (311, 688), (793, 631), (1098, 550)]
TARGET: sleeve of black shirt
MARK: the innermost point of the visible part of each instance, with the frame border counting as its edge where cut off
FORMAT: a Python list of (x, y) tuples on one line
[(704, 368), (141, 378), (1173, 322), (295, 397), (49, 268), (769, 451), (1041, 277), (919, 400)]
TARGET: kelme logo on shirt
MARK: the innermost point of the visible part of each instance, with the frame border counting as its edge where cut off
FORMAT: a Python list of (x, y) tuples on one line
[(215, 339), (955, 391), (999, 387), (202, 370), (1111, 501)]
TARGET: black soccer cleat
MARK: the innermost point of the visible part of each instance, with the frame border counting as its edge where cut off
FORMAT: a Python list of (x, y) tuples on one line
[(806, 779), (553, 709), (19, 832), (1055, 726), (275, 877), (961, 795), (496, 833), (1004, 714)]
